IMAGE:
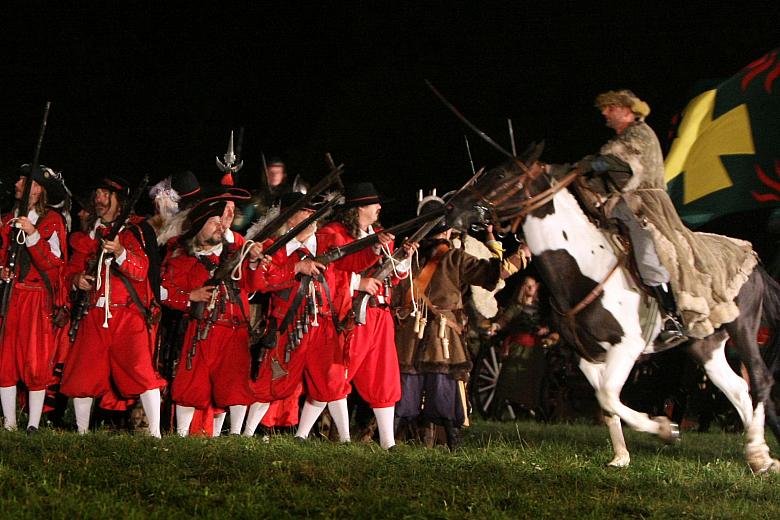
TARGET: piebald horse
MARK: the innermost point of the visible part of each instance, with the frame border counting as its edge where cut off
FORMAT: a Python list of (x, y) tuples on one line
[(597, 305)]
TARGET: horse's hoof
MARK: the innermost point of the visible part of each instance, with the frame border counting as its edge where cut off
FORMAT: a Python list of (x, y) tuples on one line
[(620, 461), (771, 466), (668, 431)]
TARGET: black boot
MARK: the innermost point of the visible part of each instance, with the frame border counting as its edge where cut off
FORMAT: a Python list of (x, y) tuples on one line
[(453, 435), (672, 331)]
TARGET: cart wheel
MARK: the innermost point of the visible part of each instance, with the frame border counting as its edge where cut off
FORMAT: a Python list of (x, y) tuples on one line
[(487, 370)]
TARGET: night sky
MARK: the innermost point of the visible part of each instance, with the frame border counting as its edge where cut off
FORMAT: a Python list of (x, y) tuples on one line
[(152, 91)]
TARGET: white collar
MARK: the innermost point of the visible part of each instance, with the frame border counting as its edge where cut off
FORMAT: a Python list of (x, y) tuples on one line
[(215, 250), (310, 243), (366, 233)]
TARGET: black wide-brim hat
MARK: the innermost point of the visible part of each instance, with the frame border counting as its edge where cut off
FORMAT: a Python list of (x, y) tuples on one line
[(49, 180), (361, 194), (288, 199), (213, 205), (186, 186), (113, 183)]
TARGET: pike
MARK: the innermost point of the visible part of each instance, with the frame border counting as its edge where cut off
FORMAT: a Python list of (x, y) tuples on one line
[(81, 300), (14, 246), (230, 165)]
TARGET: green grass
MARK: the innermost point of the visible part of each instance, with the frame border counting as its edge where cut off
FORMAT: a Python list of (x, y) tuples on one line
[(505, 470)]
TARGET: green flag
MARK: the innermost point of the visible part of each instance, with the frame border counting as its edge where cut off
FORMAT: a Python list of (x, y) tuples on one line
[(725, 157)]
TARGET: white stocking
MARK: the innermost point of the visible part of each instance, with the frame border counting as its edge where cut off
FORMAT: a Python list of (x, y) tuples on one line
[(150, 400), (237, 414), (256, 413), (8, 398), (219, 420), (384, 423), (309, 415), (83, 408), (184, 415), (35, 403), (338, 410)]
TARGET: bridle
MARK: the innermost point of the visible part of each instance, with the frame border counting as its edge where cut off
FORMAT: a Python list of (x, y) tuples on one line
[(514, 185)]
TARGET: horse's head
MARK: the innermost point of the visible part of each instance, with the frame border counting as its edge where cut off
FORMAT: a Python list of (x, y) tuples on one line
[(500, 194)]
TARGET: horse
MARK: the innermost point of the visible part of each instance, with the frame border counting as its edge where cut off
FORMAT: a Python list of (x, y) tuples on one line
[(597, 305)]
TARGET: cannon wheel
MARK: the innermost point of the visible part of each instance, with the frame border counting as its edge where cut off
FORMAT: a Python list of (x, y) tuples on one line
[(487, 370)]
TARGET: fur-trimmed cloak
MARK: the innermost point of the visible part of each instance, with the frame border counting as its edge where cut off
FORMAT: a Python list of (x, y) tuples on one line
[(707, 271)]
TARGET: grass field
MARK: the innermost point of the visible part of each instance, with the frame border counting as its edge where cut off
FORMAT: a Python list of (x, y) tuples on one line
[(505, 470)]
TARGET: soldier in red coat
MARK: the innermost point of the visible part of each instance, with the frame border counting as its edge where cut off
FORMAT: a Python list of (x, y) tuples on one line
[(373, 361), (215, 362), (113, 347), (28, 346), (308, 304)]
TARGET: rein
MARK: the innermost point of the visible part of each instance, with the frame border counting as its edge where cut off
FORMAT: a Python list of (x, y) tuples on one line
[(571, 314)]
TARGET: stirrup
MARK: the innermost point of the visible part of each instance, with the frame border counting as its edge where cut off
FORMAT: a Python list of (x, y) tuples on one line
[(672, 331)]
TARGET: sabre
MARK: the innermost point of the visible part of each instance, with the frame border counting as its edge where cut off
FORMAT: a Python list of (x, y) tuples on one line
[(468, 152), (468, 123), (512, 137)]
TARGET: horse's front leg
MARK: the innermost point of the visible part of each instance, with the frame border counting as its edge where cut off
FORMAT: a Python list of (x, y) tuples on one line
[(609, 383), (621, 458)]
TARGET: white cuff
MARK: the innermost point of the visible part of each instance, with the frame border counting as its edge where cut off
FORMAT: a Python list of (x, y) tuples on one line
[(33, 239), (163, 293), (121, 258), (354, 282)]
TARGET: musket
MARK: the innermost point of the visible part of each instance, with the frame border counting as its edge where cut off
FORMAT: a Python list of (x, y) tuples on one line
[(223, 271), (339, 252), (14, 246), (321, 213), (81, 300), (360, 301)]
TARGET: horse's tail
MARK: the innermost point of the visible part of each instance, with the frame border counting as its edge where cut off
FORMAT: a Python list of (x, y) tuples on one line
[(771, 318)]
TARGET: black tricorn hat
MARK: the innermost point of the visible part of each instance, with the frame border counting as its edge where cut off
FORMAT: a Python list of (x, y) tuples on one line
[(360, 194), (49, 180), (186, 186)]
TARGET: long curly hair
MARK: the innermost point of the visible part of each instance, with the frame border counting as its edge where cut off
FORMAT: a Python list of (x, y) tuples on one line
[(349, 218)]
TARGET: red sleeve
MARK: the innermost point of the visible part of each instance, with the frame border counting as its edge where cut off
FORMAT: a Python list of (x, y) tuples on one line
[(83, 249), (332, 236), (180, 275), (136, 264), (41, 253)]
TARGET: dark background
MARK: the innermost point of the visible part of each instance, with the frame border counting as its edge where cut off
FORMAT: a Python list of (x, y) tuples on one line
[(144, 90)]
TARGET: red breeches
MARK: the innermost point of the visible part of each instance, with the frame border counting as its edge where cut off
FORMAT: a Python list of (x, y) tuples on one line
[(118, 358), (220, 369), (319, 357), (373, 359), (28, 345)]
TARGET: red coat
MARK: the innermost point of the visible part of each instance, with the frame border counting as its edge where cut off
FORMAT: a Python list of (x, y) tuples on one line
[(105, 360), (28, 349), (218, 372), (372, 361), (320, 354)]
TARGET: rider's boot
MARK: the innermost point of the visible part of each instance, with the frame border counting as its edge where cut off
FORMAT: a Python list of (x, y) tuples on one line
[(672, 330)]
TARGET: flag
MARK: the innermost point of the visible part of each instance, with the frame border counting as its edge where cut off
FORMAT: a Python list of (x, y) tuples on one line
[(725, 157)]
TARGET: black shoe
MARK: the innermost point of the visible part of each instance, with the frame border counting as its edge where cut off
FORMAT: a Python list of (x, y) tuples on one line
[(32, 430), (453, 435), (300, 440)]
